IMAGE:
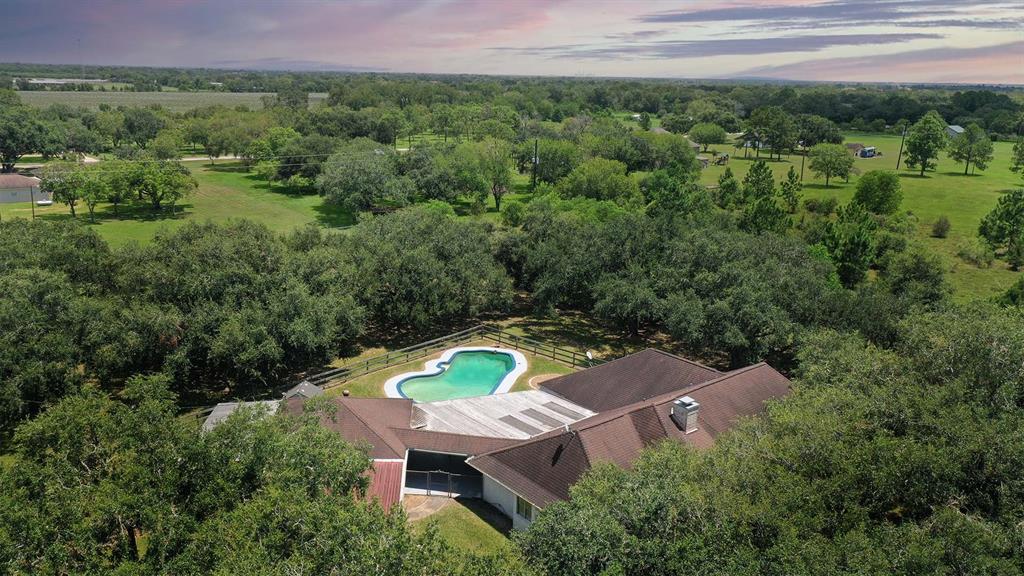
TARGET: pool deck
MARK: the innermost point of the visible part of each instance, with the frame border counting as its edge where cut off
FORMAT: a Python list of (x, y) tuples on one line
[(517, 415), (433, 367)]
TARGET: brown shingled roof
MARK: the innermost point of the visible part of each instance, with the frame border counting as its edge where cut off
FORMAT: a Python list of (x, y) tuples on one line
[(370, 420), (629, 380), (18, 181), (542, 469)]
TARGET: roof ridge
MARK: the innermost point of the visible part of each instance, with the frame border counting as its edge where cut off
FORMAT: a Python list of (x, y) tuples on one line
[(371, 428), (684, 359), (625, 410), (701, 385)]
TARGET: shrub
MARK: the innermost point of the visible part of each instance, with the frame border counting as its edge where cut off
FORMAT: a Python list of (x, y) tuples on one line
[(941, 227), (821, 206), (513, 213), (879, 191), (974, 251)]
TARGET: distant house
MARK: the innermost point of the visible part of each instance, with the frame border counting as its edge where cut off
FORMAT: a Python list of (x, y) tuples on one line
[(19, 188), (854, 148), (953, 130)]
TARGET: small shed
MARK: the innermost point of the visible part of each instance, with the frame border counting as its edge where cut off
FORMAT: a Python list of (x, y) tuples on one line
[(20, 188), (953, 130), (854, 148), (304, 389)]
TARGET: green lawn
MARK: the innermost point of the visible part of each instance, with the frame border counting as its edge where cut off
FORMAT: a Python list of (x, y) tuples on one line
[(945, 191), (224, 193), (461, 523)]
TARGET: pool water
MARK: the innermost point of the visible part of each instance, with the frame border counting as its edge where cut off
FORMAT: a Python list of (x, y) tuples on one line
[(471, 373)]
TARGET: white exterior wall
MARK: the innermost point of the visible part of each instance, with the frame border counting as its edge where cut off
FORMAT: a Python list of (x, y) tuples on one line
[(505, 500), (12, 195)]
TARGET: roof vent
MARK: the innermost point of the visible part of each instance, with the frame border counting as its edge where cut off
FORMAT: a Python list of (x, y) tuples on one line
[(684, 413)]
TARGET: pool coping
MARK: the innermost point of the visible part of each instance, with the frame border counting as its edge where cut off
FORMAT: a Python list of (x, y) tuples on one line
[(433, 368)]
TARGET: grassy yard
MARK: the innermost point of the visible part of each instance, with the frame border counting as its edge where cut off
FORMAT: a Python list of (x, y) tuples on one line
[(469, 525), (372, 385), (224, 193), (945, 191)]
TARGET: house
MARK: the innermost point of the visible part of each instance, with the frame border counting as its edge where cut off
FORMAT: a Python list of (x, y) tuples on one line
[(20, 188), (521, 451), (854, 148), (221, 411), (952, 130)]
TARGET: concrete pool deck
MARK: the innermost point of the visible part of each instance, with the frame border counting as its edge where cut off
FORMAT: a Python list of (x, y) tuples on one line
[(434, 367)]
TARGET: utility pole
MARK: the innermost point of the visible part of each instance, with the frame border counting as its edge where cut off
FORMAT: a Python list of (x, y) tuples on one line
[(32, 197), (536, 160), (900, 155), (802, 158)]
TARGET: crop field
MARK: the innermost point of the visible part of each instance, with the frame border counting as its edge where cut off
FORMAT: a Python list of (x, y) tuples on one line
[(173, 101), (944, 192)]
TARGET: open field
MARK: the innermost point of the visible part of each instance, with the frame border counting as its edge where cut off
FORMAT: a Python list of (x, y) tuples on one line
[(372, 385), (224, 193), (173, 101), (946, 191)]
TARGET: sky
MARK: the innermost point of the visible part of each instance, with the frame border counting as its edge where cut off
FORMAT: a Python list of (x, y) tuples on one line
[(965, 41)]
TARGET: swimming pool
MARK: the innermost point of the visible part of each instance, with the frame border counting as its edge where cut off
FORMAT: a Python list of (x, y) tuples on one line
[(460, 373)]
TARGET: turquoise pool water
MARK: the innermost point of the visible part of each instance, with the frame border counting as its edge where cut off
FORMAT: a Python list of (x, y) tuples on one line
[(470, 373)]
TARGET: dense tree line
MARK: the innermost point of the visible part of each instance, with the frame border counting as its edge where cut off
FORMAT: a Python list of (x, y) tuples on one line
[(218, 307), (722, 103)]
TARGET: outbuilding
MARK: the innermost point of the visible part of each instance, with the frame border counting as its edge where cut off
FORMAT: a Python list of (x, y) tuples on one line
[(953, 130), (20, 188)]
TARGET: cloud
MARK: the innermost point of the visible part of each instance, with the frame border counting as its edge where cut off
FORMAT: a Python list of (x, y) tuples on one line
[(834, 13), (670, 49), (1002, 64)]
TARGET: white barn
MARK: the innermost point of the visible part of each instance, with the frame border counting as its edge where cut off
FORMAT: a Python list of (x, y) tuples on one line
[(20, 188)]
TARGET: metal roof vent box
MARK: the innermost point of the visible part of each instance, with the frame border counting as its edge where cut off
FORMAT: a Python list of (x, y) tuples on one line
[(684, 413)]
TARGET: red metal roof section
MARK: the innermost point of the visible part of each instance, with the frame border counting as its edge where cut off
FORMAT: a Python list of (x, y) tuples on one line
[(385, 482)]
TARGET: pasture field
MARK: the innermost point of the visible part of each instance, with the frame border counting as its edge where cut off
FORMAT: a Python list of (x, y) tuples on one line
[(943, 192), (173, 101), (224, 193)]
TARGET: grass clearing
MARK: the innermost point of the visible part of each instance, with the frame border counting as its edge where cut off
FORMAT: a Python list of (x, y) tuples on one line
[(225, 192), (944, 192), (468, 524)]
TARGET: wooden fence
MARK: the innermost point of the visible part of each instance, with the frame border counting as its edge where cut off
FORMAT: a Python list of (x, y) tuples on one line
[(503, 339)]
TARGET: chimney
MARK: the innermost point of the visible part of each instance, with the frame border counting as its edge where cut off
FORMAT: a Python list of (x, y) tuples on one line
[(684, 413)]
